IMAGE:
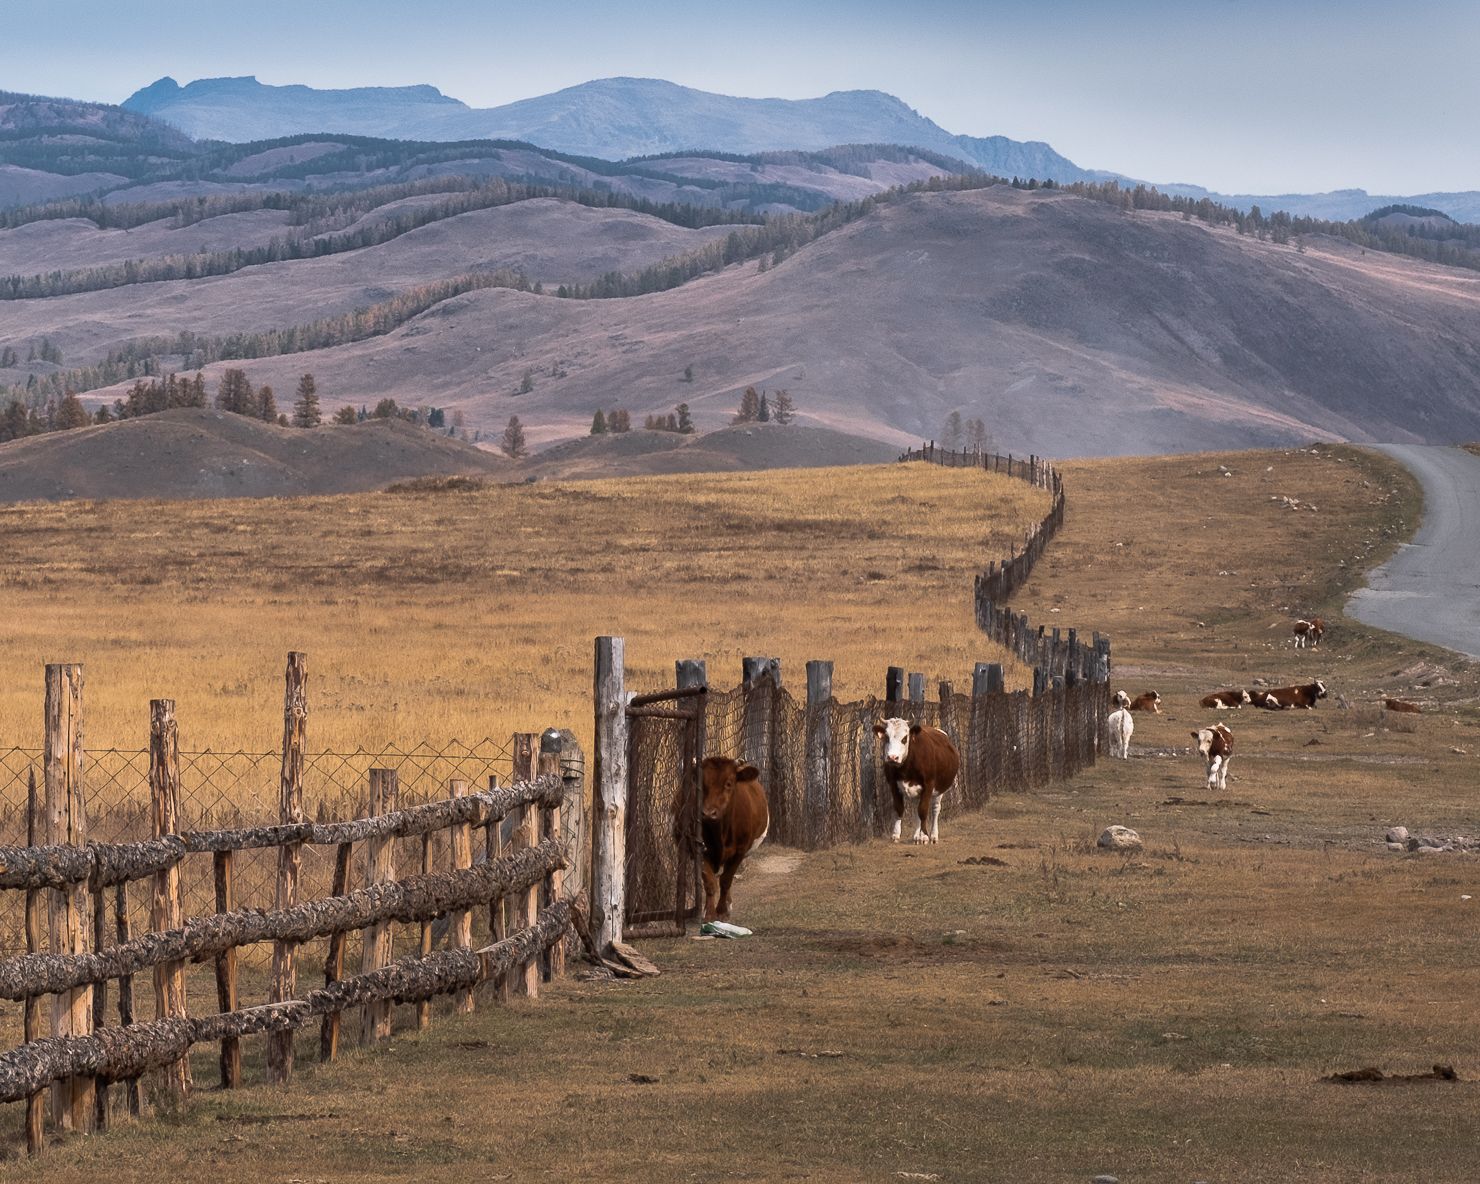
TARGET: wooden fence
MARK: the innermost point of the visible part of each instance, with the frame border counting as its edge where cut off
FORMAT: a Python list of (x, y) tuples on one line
[(518, 881)]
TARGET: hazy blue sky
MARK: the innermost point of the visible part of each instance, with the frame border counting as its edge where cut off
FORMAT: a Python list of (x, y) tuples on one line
[(1239, 95)]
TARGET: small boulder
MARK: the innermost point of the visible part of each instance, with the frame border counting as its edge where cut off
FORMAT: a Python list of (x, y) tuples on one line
[(1398, 834), (1119, 838)]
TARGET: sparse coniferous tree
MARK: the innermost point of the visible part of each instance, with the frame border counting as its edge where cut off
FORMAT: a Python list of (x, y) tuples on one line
[(71, 413), (436, 418), (267, 405), (750, 407), (763, 412), (526, 384), (306, 413), (282, 421), (671, 423), (103, 415), (685, 421), (783, 410), (619, 420), (386, 409), (976, 435), (512, 443), (598, 423), (650, 423), (197, 396), (346, 415), (14, 424), (951, 436), (234, 393), (688, 373)]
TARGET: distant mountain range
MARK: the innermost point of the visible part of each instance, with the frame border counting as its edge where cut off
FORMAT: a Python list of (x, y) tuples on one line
[(617, 118)]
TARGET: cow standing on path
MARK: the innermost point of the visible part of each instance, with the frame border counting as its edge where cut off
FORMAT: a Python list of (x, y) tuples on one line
[(1309, 633), (734, 820), (1216, 746), (920, 763)]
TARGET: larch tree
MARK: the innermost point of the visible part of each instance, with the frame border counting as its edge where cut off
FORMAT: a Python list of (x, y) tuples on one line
[(512, 442), (306, 413)]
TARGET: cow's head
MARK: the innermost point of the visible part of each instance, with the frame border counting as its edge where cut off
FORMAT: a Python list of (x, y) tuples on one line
[(1204, 738), (897, 734), (721, 775), (1320, 688), (1121, 699), (1246, 697)]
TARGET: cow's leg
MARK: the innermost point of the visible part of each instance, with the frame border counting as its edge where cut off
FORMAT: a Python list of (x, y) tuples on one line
[(935, 819), (711, 891), (726, 878), (922, 834), (1223, 774), (1213, 764), (898, 812)]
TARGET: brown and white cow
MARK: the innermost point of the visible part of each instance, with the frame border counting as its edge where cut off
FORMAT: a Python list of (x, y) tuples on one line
[(920, 763), (1226, 700), (1402, 705), (1286, 698), (733, 820), (1146, 701), (1309, 633), (1216, 745)]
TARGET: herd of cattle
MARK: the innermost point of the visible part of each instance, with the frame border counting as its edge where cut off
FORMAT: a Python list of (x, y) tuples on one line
[(921, 763)]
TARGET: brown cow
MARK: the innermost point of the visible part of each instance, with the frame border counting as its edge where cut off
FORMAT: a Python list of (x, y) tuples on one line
[(1223, 700), (1146, 701), (734, 822), (1402, 705), (1309, 633), (1216, 746), (1285, 698), (922, 763)]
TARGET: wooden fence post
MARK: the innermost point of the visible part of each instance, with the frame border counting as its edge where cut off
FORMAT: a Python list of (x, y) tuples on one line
[(690, 674), (609, 807), (497, 846), (226, 997), (894, 685), (522, 769), (819, 749), (167, 910), (123, 932), (380, 868), (760, 706), (74, 1104), (917, 697), (460, 930), (284, 984), (552, 961), (573, 826), (334, 960), (424, 946), (527, 901), (35, 1103)]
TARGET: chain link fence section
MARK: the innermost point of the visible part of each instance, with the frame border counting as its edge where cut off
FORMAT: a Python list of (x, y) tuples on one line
[(224, 790)]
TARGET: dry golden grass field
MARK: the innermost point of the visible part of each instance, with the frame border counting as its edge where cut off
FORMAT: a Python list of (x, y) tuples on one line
[(1011, 1005)]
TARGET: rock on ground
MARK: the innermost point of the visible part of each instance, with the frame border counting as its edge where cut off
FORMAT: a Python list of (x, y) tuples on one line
[(1119, 838)]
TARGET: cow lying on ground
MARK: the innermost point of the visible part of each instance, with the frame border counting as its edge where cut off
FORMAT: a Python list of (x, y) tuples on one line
[(1402, 705), (1225, 700), (1285, 698), (920, 763), (733, 820), (1216, 746), (1146, 701), (1120, 727), (1309, 633)]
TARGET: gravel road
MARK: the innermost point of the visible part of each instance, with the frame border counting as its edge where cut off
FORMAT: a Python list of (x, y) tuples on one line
[(1430, 590)]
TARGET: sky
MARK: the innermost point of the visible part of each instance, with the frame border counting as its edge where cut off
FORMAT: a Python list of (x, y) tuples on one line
[(1241, 96)]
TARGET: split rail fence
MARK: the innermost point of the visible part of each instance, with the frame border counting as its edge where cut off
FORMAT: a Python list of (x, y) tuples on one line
[(504, 858)]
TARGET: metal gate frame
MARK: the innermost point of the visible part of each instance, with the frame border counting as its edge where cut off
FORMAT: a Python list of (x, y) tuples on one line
[(686, 705)]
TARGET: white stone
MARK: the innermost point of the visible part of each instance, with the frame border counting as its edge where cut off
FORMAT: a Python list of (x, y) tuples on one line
[(1119, 838), (1398, 834)]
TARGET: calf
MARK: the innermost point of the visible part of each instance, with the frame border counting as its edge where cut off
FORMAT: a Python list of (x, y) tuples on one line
[(733, 820), (1146, 701), (1120, 727), (1286, 698), (1309, 633), (1216, 746), (1402, 705), (920, 763), (1121, 699), (1225, 700)]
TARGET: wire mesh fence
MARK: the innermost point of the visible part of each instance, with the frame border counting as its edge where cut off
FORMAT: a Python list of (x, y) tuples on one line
[(220, 790)]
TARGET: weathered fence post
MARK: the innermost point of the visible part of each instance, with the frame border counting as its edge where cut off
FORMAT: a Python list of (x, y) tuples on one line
[(424, 945), (35, 1103), (949, 724), (526, 901), (380, 868), (73, 1100), (690, 674), (223, 873), (334, 959), (574, 831), (917, 697), (894, 685), (819, 749), (552, 961), (284, 983), (521, 769), (126, 991), (760, 706), (167, 910), (460, 931), (609, 805)]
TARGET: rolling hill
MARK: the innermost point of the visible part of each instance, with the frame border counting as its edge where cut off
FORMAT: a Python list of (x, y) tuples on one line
[(201, 453), (1070, 326)]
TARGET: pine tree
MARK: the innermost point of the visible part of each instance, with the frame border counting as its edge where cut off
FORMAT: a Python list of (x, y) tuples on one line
[(103, 415), (685, 422), (306, 413), (750, 406), (763, 412), (526, 384), (267, 405), (951, 436), (671, 423), (346, 415), (512, 442), (619, 420), (688, 373), (197, 396), (598, 423), (234, 393), (71, 413), (13, 425), (783, 410), (386, 409)]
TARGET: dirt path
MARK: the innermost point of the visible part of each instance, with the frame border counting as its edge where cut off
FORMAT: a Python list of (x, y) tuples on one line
[(1430, 590)]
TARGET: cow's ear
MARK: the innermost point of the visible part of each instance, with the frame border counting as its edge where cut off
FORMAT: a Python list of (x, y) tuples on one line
[(1195, 736), (879, 729), (747, 773), (914, 729)]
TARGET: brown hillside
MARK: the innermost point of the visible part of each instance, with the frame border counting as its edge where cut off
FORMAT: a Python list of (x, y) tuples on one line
[(202, 453), (1069, 326)]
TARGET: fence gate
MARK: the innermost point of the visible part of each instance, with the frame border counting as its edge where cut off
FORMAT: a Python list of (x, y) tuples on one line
[(665, 748)]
